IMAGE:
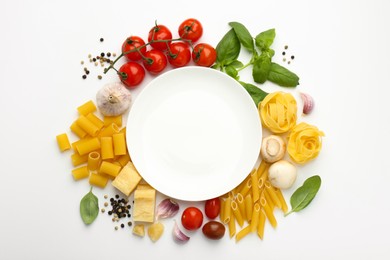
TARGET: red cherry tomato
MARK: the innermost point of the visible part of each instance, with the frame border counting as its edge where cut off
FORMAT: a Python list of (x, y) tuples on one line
[(155, 61), (159, 32), (131, 74), (180, 54), (130, 44), (191, 29), (192, 218), (212, 208), (204, 54)]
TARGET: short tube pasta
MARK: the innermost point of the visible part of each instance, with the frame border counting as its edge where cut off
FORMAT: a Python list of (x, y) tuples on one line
[(93, 161), (98, 180), (87, 126), (76, 129), (80, 173), (63, 142), (110, 168), (109, 130), (108, 120), (107, 147), (86, 108), (95, 120), (88, 146), (119, 144), (124, 159)]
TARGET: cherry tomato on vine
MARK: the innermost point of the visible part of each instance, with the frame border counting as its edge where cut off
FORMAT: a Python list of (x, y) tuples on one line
[(204, 54), (158, 33), (192, 218), (130, 44), (179, 55), (155, 61), (212, 208), (131, 74), (191, 29)]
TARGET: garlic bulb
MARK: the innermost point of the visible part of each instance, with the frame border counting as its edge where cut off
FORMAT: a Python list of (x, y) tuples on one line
[(113, 99)]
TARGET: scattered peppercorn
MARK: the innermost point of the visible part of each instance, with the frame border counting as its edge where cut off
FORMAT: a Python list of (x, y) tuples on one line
[(101, 39), (105, 204), (105, 196), (284, 53), (285, 47), (116, 227), (103, 210), (84, 76), (122, 225), (117, 196), (100, 77), (292, 57), (108, 54), (129, 223)]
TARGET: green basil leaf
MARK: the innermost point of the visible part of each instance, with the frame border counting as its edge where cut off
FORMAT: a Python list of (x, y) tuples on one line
[(265, 39), (228, 48), (89, 207), (243, 35), (237, 64), (231, 71), (261, 68), (302, 197), (256, 93), (282, 76)]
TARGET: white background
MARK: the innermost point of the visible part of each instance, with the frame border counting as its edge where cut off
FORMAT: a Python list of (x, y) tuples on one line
[(342, 58)]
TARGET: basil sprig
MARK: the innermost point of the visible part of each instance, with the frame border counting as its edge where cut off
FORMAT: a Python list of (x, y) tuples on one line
[(89, 207), (228, 50), (303, 196)]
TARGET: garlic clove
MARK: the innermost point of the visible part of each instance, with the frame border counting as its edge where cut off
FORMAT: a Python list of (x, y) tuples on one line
[(113, 99), (167, 208), (178, 235), (308, 103)]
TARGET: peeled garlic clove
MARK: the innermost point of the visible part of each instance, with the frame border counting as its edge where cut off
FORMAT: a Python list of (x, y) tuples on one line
[(167, 208), (113, 99), (308, 103), (178, 235)]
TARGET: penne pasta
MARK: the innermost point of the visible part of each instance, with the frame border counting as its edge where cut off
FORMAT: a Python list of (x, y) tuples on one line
[(255, 217), (243, 232), (87, 126), (227, 210), (268, 212), (86, 108), (88, 146), (237, 213), (248, 207), (282, 200), (241, 205), (93, 161), (119, 144), (108, 120), (272, 194), (255, 188), (80, 173), (268, 199), (232, 225), (261, 225), (107, 147), (63, 142), (246, 188)]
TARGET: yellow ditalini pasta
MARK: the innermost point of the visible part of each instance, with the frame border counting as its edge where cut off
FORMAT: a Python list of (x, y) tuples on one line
[(88, 146), (63, 142), (304, 143), (78, 159), (109, 130), (87, 126), (98, 180), (119, 144), (93, 161), (86, 108), (278, 112), (75, 128), (110, 168), (108, 120), (95, 120), (107, 147), (80, 173)]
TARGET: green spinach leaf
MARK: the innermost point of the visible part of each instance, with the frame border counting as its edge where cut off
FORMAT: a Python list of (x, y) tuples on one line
[(228, 48), (265, 39), (243, 35), (282, 76), (256, 93), (302, 197), (89, 207)]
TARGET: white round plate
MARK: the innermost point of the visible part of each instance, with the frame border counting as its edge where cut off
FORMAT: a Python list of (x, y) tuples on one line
[(194, 133)]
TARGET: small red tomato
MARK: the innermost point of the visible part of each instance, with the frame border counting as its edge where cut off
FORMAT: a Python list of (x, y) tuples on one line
[(158, 33), (204, 54), (179, 55), (129, 47), (154, 61), (213, 230), (131, 74), (212, 208), (191, 29), (192, 218)]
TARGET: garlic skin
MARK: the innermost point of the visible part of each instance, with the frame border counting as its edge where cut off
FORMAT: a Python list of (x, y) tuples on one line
[(308, 103), (167, 208), (178, 235), (282, 174), (113, 99), (272, 149)]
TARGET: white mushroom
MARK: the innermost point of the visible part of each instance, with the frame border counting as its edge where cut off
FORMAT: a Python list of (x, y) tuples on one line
[(113, 99), (282, 174), (273, 148)]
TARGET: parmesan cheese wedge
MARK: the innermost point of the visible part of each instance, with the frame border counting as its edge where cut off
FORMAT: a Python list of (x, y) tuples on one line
[(127, 179), (144, 203)]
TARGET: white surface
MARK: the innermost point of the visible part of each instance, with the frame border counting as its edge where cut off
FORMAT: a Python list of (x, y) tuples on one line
[(342, 56), (189, 129)]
